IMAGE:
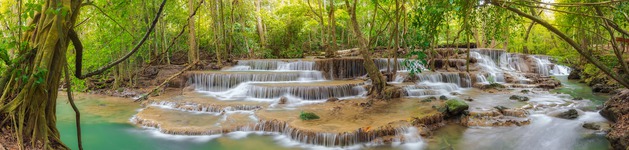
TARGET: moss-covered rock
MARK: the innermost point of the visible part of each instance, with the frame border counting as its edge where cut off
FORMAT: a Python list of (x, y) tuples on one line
[(456, 107), (519, 98), (391, 92), (308, 116)]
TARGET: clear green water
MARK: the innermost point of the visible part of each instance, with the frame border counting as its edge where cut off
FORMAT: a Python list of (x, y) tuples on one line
[(105, 126), (576, 89), (106, 131)]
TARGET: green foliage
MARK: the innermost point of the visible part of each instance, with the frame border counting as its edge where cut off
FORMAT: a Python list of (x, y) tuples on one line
[(308, 116), (491, 79)]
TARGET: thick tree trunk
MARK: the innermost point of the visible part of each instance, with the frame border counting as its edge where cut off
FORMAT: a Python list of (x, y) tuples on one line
[(29, 104), (331, 49), (377, 79), (259, 27), (193, 52)]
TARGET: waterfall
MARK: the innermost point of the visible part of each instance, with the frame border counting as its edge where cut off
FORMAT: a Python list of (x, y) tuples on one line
[(542, 64), (221, 81), (303, 92), (408, 138), (272, 65), (460, 79), (560, 70), (487, 64)]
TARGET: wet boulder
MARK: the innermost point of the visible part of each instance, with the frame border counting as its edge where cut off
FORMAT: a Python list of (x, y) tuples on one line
[(525, 91), (429, 99), (600, 126), (332, 99), (616, 106), (603, 88), (577, 98), (391, 92), (501, 108), (282, 100), (456, 107), (493, 86), (575, 75), (443, 97), (519, 98), (570, 114)]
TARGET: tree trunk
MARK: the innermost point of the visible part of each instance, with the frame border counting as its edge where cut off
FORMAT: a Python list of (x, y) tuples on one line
[(29, 104), (259, 27), (331, 49), (396, 32), (377, 79), (193, 52)]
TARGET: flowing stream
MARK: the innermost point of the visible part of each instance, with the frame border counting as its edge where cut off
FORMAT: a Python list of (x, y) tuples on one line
[(233, 95)]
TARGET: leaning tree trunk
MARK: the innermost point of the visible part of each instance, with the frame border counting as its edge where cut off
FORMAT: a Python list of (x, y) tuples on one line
[(28, 104), (331, 49), (377, 79), (193, 52)]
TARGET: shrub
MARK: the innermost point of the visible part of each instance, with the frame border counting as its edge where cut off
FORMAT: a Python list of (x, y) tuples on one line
[(308, 116)]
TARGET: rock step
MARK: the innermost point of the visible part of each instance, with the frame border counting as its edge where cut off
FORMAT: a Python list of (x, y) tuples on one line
[(307, 91)]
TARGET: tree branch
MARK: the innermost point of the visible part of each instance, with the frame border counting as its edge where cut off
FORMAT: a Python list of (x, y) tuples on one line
[(106, 15), (135, 49), (575, 45), (607, 25)]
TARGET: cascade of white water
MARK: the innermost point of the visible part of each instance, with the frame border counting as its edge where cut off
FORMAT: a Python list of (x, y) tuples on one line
[(214, 81), (513, 62), (543, 65), (409, 138), (305, 93), (560, 70), (487, 64), (462, 80), (272, 65)]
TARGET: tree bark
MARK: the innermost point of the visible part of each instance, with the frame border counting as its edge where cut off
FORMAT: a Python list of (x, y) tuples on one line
[(29, 103), (193, 52), (331, 49), (378, 81), (259, 27)]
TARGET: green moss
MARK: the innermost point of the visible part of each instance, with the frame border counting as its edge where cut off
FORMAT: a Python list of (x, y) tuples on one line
[(308, 116), (456, 106)]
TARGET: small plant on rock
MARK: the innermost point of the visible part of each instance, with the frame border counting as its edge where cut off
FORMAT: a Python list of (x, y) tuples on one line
[(308, 116)]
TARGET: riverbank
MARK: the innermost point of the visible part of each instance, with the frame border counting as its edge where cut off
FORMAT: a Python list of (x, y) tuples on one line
[(616, 109)]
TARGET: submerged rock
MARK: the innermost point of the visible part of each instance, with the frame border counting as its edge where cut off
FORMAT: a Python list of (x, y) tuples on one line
[(519, 98), (577, 98), (456, 107), (500, 108), (525, 91), (455, 93), (332, 99), (601, 126), (469, 99), (570, 114), (282, 100), (493, 86)]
